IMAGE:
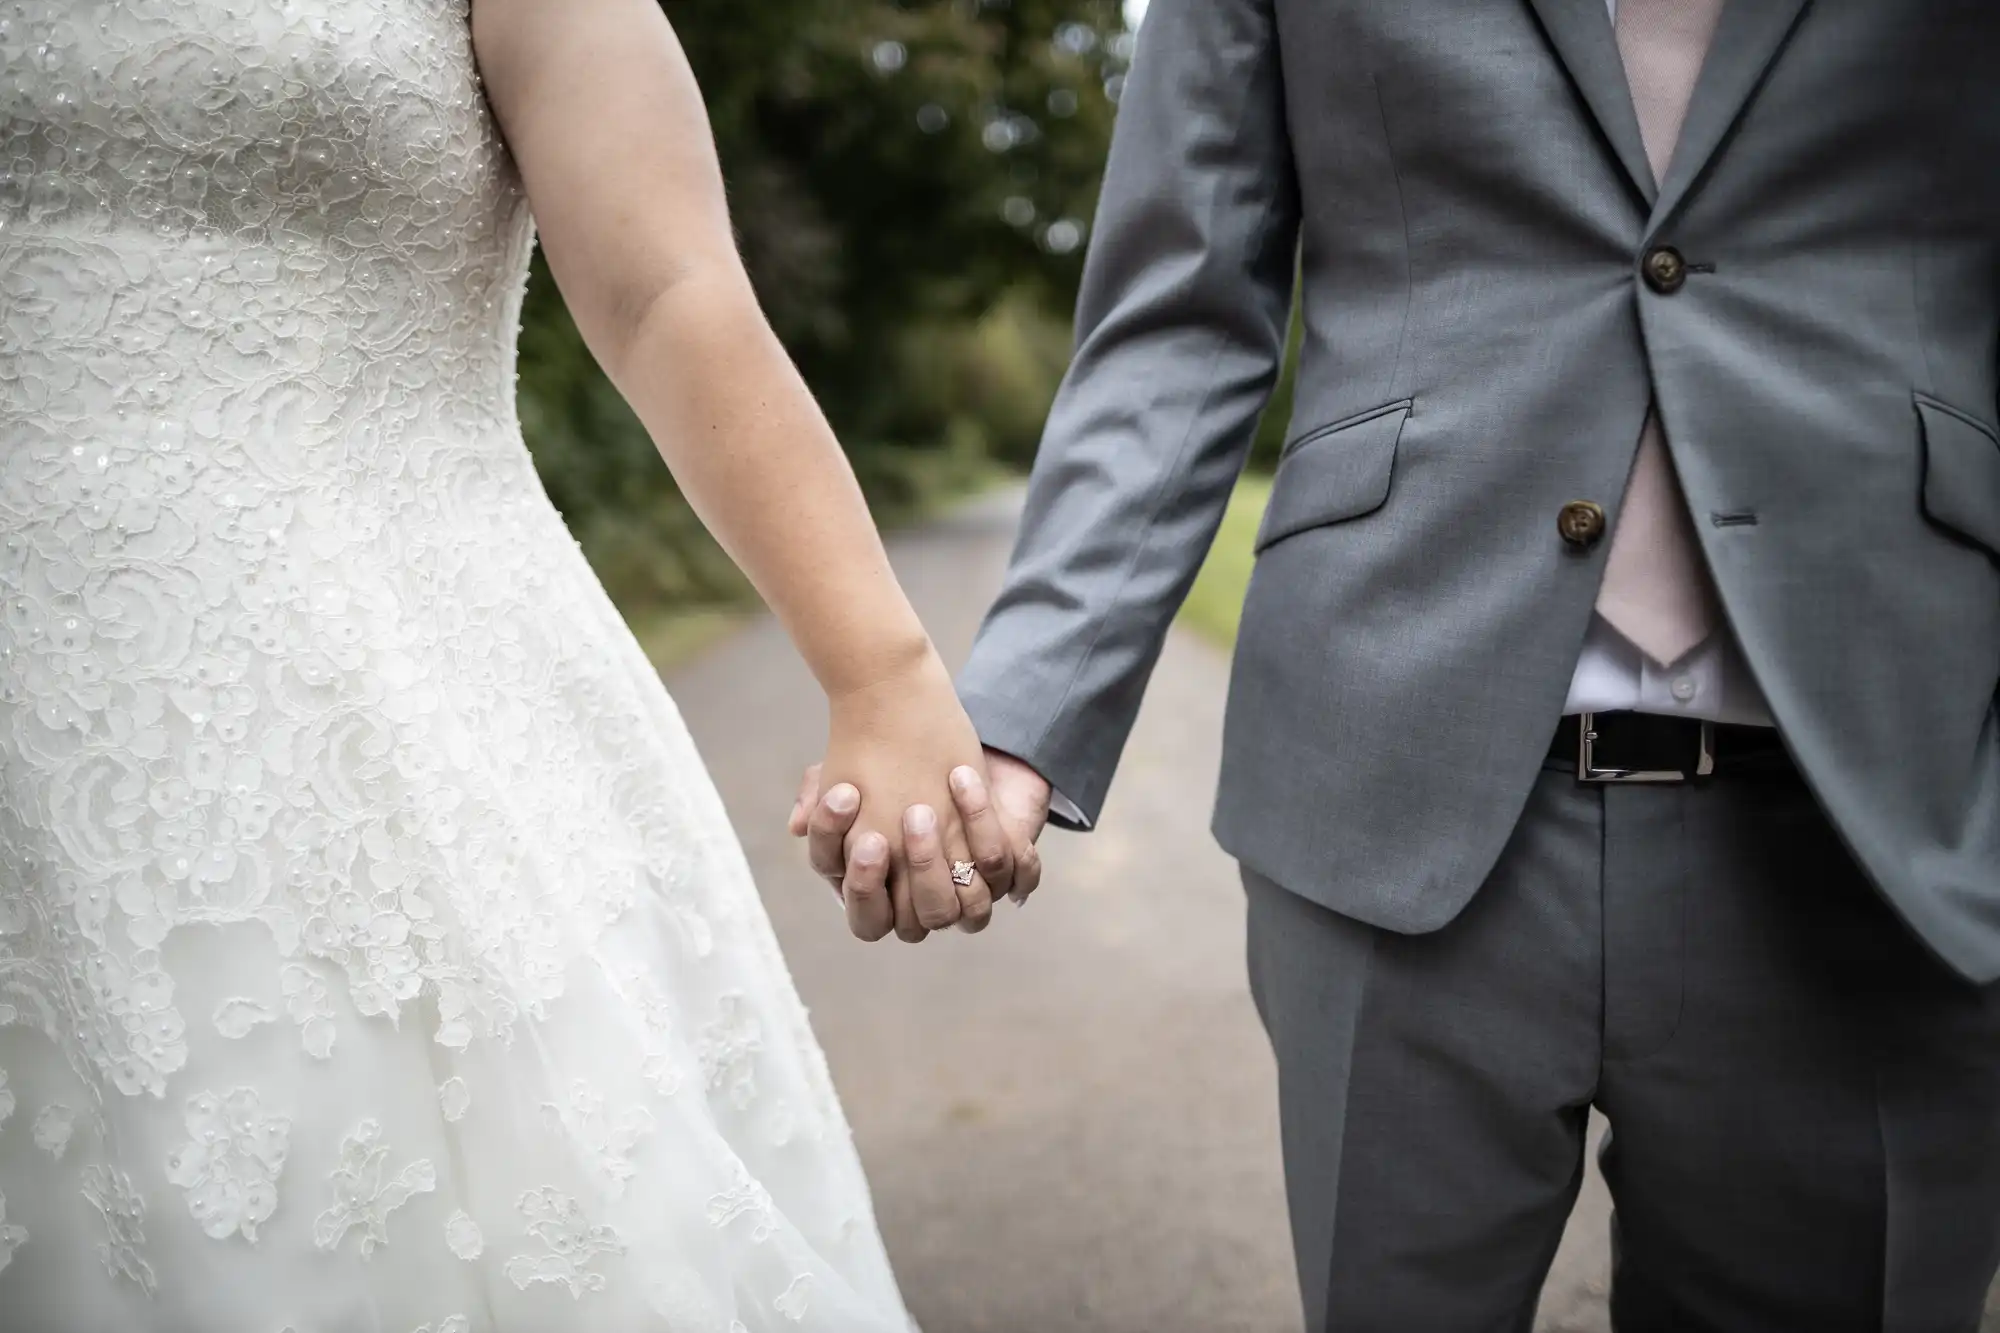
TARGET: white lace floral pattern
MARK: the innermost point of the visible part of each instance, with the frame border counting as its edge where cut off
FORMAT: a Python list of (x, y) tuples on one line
[(123, 1213), (365, 1192), (729, 1048), (306, 1001), (644, 996), (606, 1138), (570, 1244), (745, 1199), (229, 1167), (343, 826)]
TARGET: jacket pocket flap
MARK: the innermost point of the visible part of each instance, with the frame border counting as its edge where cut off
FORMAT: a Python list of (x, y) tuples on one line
[(1334, 473), (1961, 472)]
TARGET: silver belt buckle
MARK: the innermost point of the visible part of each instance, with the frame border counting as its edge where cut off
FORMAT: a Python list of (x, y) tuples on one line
[(1587, 769)]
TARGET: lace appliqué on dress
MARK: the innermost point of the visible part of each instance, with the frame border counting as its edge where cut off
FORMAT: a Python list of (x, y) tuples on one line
[(573, 1244), (306, 1001), (745, 1198), (606, 1139), (123, 1212), (52, 1129), (238, 1018), (463, 1237), (454, 1099), (795, 1299), (229, 1169), (364, 1192), (728, 1051)]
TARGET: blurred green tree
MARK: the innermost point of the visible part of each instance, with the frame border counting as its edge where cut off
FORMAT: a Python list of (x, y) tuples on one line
[(904, 165)]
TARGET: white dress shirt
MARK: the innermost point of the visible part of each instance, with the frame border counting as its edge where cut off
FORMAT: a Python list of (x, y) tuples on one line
[(1712, 682)]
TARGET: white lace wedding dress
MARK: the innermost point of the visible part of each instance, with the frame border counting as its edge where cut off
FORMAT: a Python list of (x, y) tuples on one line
[(374, 953)]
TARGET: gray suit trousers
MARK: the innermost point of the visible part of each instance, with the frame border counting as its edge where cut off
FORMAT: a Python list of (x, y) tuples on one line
[(1805, 1105)]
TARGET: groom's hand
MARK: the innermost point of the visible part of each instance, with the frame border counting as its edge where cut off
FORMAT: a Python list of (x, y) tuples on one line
[(1002, 823)]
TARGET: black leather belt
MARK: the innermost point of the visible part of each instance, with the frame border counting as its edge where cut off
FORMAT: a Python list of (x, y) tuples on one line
[(1648, 747)]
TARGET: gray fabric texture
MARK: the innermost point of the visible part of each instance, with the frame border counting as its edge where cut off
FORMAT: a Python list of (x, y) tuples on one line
[(1805, 1107), (1464, 191)]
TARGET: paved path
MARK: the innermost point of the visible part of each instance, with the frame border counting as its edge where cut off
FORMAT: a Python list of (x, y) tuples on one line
[(1070, 1121)]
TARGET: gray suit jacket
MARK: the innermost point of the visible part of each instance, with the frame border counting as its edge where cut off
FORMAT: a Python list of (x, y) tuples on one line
[(1464, 187)]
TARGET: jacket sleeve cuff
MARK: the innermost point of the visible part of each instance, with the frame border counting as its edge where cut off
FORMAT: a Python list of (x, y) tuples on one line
[(1075, 797), (1065, 813)]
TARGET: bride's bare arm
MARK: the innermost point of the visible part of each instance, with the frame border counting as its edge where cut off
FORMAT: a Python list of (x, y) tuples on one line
[(602, 114), (612, 139)]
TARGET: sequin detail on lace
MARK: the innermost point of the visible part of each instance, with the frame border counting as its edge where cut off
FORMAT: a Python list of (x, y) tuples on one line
[(729, 1048), (123, 1214), (214, 609), (230, 1166), (571, 1244), (365, 1193)]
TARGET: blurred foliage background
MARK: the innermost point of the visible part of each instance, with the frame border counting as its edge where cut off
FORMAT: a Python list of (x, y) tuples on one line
[(912, 183)]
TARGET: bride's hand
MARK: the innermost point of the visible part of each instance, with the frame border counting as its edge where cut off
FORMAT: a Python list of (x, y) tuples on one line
[(895, 743)]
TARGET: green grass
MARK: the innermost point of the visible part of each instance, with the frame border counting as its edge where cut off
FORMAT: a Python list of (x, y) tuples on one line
[(1215, 607)]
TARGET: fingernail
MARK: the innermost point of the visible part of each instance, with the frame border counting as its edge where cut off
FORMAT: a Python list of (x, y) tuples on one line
[(871, 849), (962, 779), (844, 800), (1018, 899), (919, 820)]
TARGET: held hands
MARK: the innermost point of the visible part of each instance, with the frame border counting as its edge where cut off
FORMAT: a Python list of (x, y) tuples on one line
[(891, 745), (889, 748), (992, 819)]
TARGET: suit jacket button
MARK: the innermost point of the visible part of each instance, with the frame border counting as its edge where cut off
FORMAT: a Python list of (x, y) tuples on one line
[(1666, 272), (1581, 523)]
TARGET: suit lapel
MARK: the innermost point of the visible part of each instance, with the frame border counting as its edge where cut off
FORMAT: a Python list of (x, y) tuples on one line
[(1748, 37), (1580, 31)]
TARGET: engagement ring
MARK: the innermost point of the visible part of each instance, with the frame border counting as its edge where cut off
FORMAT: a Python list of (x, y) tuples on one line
[(961, 873)]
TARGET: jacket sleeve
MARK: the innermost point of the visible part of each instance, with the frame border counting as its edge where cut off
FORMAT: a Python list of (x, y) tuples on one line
[(1180, 333)]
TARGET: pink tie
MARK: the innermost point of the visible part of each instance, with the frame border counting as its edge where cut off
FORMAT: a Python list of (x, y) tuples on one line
[(1656, 592)]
